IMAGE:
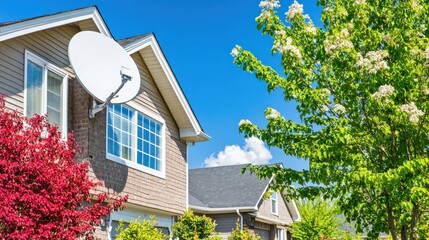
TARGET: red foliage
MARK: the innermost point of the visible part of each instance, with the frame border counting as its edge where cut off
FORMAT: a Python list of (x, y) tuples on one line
[(44, 193)]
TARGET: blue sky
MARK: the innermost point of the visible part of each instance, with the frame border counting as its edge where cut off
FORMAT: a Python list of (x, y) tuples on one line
[(197, 37)]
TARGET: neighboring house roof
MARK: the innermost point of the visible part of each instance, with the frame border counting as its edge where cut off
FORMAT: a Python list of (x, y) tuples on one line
[(224, 187), (90, 19)]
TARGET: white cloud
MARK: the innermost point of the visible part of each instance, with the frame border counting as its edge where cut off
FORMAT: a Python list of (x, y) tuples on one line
[(254, 151)]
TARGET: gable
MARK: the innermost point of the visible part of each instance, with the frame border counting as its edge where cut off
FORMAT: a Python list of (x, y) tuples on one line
[(89, 19)]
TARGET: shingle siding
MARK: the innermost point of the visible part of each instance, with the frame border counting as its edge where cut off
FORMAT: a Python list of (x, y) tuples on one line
[(283, 215), (144, 190)]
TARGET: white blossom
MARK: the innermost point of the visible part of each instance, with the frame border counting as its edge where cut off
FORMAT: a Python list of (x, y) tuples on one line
[(345, 32), (384, 91), (422, 35), (328, 9), (311, 30), (324, 108), (360, 2), (288, 47), (273, 114), (412, 111), (234, 51), (269, 4), (427, 53), (326, 91), (244, 122), (280, 33), (338, 43), (338, 108), (415, 52), (294, 10), (264, 14), (374, 61)]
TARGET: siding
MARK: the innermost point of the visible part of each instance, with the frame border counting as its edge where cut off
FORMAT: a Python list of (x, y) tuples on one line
[(50, 44), (146, 191), (283, 215), (225, 223)]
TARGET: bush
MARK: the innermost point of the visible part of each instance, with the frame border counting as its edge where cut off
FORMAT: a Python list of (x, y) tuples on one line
[(191, 227), (244, 234), (45, 194), (140, 230)]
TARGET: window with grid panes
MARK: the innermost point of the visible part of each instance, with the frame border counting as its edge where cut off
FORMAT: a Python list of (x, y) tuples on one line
[(134, 137)]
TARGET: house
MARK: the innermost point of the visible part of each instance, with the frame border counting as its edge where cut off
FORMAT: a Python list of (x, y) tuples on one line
[(149, 161), (229, 197)]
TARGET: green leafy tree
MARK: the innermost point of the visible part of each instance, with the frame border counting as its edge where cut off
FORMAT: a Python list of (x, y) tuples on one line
[(361, 88), (192, 227), (140, 230), (318, 218), (238, 234)]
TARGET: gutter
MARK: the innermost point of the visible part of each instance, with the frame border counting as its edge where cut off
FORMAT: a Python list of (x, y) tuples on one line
[(241, 219), (208, 210)]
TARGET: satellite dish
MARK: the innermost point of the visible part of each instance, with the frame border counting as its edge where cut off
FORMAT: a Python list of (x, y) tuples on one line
[(104, 68)]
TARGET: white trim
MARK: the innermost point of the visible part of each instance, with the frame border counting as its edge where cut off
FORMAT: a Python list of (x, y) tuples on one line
[(222, 210), (140, 109), (29, 56), (263, 193), (277, 203), (130, 215), (150, 41), (42, 23), (298, 217)]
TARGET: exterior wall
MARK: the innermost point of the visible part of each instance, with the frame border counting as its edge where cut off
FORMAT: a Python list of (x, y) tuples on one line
[(283, 215), (225, 223), (165, 196)]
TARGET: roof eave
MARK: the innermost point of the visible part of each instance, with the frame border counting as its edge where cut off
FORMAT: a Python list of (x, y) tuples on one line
[(21, 28), (191, 130), (208, 210)]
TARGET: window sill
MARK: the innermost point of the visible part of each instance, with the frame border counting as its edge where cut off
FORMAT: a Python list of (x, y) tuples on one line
[(160, 174)]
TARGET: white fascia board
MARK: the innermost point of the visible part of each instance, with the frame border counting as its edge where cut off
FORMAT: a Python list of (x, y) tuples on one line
[(222, 210), (195, 134), (263, 193), (263, 219), (38, 24), (298, 216)]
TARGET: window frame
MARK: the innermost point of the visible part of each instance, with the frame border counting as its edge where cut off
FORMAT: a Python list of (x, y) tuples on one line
[(47, 66), (280, 234), (276, 199), (133, 163)]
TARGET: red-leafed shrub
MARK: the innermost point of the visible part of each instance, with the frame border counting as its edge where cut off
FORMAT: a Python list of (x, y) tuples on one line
[(44, 193)]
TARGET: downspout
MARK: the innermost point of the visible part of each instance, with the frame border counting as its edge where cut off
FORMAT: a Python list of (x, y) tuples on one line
[(241, 219)]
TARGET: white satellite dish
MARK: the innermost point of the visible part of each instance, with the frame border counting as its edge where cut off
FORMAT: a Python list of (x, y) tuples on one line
[(104, 69)]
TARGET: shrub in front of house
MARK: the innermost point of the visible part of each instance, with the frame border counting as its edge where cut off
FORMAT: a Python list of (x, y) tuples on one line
[(140, 230)]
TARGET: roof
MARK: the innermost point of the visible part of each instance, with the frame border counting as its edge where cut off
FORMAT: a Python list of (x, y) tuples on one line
[(225, 187), (90, 19)]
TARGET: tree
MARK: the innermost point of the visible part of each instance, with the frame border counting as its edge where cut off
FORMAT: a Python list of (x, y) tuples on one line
[(238, 234), (44, 193), (140, 230), (192, 227), (361, 88), (318, 218)]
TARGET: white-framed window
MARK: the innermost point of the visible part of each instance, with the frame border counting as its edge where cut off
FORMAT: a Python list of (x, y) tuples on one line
[(136, 138), (274, 203), (45, 90), (280, 234)]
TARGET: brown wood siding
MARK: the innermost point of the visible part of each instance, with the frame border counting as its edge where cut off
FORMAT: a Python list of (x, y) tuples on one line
[(283, 215), (144, 190)]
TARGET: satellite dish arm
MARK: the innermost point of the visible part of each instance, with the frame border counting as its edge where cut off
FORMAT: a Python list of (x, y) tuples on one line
[(97, 108)]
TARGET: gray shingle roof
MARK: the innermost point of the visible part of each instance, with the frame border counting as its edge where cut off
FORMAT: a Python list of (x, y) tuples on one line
[(224, 187)]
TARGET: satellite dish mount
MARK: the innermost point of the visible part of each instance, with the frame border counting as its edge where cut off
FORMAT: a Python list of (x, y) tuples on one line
[(125, 76), (96, 60)]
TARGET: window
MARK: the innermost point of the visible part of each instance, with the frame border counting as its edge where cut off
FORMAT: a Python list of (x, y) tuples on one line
[(274, 203), (280, 234), (45, 90), (135, 139)]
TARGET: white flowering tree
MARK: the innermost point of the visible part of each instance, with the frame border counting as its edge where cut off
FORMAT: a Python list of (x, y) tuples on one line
[(361, 84)]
